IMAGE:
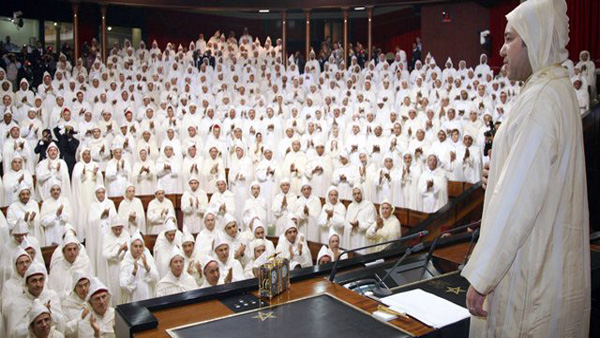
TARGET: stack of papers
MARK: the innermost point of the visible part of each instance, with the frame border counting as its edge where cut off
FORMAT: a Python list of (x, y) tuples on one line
[(428, 308)]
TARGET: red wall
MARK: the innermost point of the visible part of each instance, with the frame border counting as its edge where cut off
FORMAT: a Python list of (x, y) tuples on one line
[(584, 28), (583, 21), (399, 28), (458, 39), (177, 27)]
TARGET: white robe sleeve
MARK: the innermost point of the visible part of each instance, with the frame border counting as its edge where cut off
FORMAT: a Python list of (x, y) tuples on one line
[(520, 192)]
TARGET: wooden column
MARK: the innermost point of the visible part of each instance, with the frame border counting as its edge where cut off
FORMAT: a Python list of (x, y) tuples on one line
[(57, 30), (76, 46), (103, 32), (284, 38), (370, 32), (307, 14), (345, 29)]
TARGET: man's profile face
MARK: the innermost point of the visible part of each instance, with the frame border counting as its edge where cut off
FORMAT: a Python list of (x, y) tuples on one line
[(515, 56)]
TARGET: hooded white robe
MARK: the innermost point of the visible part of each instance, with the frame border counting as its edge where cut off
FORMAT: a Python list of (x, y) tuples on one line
[(170, 178), (145, 182), (141, 285), (127, 208), (391, 230), (52, 223), (308, 223), (303, 259), (117, 176), (61, 274), (363, 212), (95, 228), (17, 210), (114, 256), (193, 206), (170, 284), (11, 184), (434, 198), (156, 217), (17, 323), (106, 324), (320, 181), (337, 221), (84, 185), (532, 259), (49, 170)]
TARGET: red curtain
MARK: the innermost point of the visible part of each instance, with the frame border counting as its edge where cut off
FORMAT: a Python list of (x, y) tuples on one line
[(584, 24)]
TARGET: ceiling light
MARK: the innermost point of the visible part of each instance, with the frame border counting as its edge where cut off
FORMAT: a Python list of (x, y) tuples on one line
[(263, 11), (359, 8)]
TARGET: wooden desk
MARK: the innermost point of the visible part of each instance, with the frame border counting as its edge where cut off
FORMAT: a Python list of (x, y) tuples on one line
[(450, 257), (212, 309)]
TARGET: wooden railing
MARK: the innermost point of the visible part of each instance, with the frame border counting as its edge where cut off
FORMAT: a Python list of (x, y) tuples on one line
[(407, 217)]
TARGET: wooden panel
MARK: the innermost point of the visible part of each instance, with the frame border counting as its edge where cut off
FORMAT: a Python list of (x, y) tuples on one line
[(455, 189)]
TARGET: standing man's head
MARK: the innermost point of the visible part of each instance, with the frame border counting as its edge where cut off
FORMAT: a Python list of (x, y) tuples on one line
[(536, 37)]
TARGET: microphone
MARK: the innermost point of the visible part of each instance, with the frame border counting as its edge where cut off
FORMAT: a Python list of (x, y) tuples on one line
[(434, 244), (384, 292), (473, 237), (419, 234)]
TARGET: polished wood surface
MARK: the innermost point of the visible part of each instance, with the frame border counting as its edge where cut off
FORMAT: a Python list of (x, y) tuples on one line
[(213, 309), (454, 253)]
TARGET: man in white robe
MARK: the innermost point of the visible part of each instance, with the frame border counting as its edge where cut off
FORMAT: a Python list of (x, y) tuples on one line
[(159, 210), (345, 176), (138, 274), (255, 207), (319, 169), (168, 171), (100, 320), (386, 227), (56, 213), (332, 217), (118, 173), (143, 174), (213, 168), (63, 269), (232, 268), (359, 217), (100, 212), (294, 165), (284, 205), (86, 176), (34, 288), (15, 143), (222, 200), (50, 169), (177, 280), (193, 205), (131, 210), (115, 246), (530, 270), (432, 187), (27, 209), (293, 246), (74, 305), (308, 209)]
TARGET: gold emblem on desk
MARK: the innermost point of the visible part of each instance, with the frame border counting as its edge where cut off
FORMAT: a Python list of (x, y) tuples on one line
[(262, 316), (457, 290)]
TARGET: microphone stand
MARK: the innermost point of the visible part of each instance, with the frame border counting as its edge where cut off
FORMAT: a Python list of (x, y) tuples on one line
[(473, 237), (434, 244), (419, 234), (384, 292)]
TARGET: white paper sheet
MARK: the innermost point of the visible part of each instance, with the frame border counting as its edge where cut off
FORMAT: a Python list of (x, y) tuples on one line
[(426, 307)]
